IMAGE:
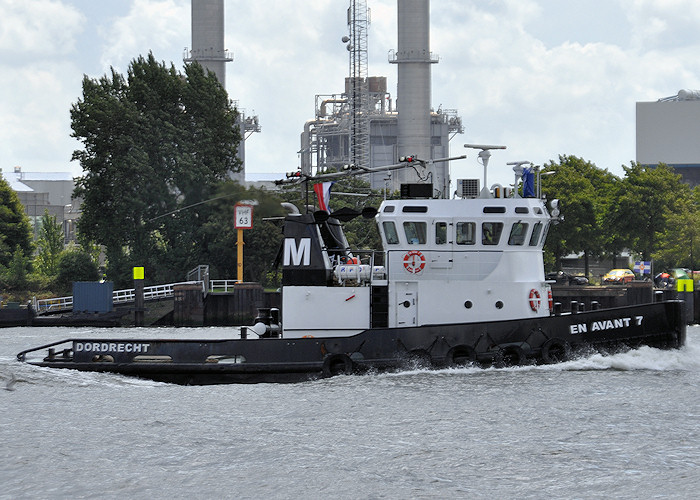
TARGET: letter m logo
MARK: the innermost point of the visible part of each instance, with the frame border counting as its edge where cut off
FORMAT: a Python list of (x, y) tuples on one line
[(297, 255)]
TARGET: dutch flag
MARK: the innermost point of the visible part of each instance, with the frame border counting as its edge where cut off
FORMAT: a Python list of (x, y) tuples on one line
[(323, 193)]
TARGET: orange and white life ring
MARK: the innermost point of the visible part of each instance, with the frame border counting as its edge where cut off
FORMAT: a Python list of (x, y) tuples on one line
[(414, 261), (534, 300), (550, 300)]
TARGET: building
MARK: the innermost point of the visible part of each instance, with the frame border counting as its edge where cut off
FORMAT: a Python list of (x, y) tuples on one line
[(667, 132), (41, 191)]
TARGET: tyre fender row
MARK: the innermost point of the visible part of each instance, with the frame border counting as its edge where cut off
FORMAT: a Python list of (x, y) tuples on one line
[(554, 350)]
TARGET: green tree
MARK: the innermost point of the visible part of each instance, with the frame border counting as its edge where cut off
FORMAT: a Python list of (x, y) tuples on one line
[(75, 265), (584, 192), (154, 142), (49, 245), (679, 238), (15, 230), (647, 200), (16, 275)]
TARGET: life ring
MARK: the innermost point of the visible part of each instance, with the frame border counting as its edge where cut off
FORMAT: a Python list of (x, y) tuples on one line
[(555, 351), (337, 364), (414, 261), (550, 301), (460, 355), (510, 355), (534, 300)]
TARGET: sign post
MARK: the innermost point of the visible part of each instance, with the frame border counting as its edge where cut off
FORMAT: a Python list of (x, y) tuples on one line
[(243, 220), (138, 296)]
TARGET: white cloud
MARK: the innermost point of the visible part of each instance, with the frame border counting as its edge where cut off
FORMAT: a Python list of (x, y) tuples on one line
[(37, 28), (158, 26)]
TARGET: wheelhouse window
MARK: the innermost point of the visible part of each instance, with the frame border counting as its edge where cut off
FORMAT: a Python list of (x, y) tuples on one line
[(416, 232), (535, 237), (392, 237), (517, 234), (440, 233), (491, 232), (466, 233)]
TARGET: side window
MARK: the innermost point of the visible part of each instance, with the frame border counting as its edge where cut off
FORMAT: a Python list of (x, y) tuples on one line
[(441, 233), (491, 232), (517, 234), (392, 238), (416, 232), (536, 231), (466, 233)]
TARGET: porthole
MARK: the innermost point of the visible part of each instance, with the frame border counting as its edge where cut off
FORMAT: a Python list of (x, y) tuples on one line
[(468, 304), (499, 305)]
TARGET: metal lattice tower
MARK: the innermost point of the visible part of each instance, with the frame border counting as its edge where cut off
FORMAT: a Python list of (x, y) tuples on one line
[(358, 95)]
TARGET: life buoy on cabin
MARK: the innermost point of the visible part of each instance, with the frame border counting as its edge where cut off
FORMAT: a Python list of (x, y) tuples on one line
[(555, 351), (414, 261), (550, 300), (535, 300), (337, 364)]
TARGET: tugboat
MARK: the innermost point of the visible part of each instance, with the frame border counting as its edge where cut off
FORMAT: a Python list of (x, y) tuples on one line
[(457, 282)]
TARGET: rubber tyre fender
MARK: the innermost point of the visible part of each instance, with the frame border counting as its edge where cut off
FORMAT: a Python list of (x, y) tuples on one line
[(337, 364), (555, 350), (419, 358), (460, 355), (510, 355)]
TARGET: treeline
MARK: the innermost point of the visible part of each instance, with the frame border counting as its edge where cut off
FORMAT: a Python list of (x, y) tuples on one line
[(648, 211)]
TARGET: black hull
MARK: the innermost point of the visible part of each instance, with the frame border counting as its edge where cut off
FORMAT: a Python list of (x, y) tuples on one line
[(542, 340)]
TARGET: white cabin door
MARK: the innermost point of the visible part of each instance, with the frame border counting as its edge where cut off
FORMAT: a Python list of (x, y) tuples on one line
[(406, 304)]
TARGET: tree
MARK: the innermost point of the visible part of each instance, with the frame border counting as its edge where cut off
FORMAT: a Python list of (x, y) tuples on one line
[(75, 265), (648, 197), (49, 245), (153, 143), (15, 230), (584, 192)]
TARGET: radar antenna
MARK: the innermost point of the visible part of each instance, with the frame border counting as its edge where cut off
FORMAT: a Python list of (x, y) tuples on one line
[(484, 155)]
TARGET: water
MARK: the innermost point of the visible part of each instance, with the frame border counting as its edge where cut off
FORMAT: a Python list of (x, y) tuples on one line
[(623, 426)]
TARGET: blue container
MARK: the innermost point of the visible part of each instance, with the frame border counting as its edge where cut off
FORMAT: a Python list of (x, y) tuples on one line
[(92, 296)]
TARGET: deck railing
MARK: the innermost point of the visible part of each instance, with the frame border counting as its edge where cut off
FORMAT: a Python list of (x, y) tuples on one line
[(57, 304)]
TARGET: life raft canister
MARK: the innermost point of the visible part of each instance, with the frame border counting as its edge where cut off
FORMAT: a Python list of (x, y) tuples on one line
[(414, 261), (534, 300)]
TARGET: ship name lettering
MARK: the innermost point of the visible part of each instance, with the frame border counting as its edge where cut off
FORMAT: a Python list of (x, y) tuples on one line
[(111, 346), (605, 324)]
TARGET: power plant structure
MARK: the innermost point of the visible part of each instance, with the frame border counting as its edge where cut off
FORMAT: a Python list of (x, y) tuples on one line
[(362, 127), (208, 50)]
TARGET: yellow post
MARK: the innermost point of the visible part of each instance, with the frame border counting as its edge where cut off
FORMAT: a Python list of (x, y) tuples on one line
[(239, 244)]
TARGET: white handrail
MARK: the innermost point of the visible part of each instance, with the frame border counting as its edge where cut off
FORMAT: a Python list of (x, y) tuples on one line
[(118, 296)]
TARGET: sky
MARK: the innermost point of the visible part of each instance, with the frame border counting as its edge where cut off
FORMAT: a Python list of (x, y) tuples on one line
[(542, 77)]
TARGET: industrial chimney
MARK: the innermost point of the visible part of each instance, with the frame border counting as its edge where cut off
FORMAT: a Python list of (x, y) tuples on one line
[(413, 58)]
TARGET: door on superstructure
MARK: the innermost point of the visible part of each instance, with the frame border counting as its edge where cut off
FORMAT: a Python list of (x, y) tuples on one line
[(407, 304)]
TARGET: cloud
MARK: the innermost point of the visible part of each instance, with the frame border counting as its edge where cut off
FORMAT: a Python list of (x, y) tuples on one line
[(37, 29), (157, 26)]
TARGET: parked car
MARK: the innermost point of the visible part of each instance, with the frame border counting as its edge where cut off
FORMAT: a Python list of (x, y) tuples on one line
[(618, 276), (563, 278)]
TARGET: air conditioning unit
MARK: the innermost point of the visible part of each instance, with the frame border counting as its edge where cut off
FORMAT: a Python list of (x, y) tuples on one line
[(468, 188)]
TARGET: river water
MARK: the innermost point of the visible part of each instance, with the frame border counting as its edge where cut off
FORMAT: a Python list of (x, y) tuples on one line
[(622, 426)]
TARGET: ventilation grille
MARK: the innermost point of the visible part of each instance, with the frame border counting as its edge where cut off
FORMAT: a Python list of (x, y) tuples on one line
[(468, 188)]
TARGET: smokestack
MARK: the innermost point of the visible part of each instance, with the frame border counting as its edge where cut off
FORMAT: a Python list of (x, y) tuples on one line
[(413, 58), (208, 37)]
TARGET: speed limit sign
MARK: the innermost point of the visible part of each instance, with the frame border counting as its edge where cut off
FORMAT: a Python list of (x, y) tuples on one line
[(244, 217)]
